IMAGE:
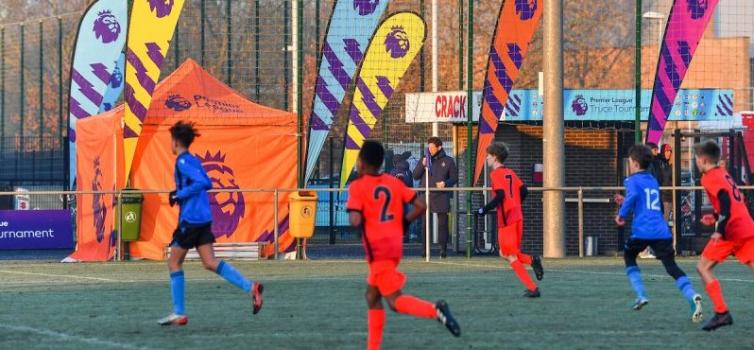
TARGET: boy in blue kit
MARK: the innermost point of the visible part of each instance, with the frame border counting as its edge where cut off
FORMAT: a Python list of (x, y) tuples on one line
[(195, 227), (649, 229)]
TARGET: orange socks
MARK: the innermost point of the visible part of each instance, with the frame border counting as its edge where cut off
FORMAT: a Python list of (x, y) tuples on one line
[(523, 275), (524, 259), (375, 322), (715, 293), (410, 305)]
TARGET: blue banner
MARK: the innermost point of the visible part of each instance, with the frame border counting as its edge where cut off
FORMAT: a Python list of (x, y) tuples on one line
[(35, 229), (349, 31), (619, 105), (99, 44)]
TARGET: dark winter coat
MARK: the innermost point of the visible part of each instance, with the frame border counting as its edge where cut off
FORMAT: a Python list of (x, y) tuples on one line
[(443, 170)]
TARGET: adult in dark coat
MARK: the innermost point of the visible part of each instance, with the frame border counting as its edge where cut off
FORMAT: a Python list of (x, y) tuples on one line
[(442, 174)]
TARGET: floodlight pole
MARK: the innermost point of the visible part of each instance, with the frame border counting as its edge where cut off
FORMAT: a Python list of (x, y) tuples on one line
[(553, 141), (637, 70), (469, 119)]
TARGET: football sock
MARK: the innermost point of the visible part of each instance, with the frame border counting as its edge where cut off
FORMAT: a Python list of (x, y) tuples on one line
[(375, 323), (410, 305), (177, 286), (684, 285), (716, 295), (634, 276), (523, 275), (230, 274)]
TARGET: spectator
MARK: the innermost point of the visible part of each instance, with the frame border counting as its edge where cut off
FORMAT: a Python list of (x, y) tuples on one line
[(442, 174)]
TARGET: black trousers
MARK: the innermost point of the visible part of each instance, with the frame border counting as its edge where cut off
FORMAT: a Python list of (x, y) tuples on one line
[(443, 230)]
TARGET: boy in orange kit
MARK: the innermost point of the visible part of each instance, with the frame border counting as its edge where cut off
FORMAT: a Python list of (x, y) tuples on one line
[(734, 228), (376, 204), (510, 191)]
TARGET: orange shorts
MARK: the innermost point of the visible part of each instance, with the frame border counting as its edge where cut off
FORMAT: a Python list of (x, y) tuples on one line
[(384, 275), (509, 238), (720, 251)]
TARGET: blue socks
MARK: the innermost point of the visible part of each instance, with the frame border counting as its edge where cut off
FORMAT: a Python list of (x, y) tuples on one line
[(230, 274), (684, 285), (177, 286), (634, 276)]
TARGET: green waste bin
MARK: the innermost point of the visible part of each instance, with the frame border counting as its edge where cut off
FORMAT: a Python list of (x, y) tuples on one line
[(131, 216)]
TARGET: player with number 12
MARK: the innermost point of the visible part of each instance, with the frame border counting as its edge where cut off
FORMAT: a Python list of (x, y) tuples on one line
[(649, 229)]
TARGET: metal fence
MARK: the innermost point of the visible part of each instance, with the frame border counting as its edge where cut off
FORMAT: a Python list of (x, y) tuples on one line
[(590, 211)]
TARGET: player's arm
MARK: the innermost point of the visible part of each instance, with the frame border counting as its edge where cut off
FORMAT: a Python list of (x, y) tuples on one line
[(724, 214), (418, 209), (497, 200), (354, 217), (354, 206), (632, 195), (198, 180)]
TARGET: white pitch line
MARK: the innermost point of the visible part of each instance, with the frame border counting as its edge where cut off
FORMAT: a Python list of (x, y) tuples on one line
[(59, 275), (73, 337), (583, 272)]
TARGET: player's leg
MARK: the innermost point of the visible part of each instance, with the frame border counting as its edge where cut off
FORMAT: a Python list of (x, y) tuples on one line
[(230, 274), (535, 261), (632, 249), (177, 287), (410, 305), (714, 253), (375, 318), (664, 251), (389, 281), (508, 238)]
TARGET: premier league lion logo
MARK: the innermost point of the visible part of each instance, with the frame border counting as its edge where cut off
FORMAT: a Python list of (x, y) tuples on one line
[(579, 105), (396, 42), (227, 207), (177, 103), (99, 207), (365, 7), (697, 8), (162, 7), (525, 9), (106, 27)]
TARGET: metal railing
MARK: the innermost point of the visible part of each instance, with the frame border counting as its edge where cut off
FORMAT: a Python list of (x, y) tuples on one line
[(580, 200)]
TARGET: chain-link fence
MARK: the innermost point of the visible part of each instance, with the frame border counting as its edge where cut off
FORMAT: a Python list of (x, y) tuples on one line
[(611, 48)]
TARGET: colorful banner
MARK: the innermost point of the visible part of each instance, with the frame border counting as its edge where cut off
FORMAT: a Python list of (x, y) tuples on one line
[(342, 52), (148, 44), (688, 20), (100, 159), (394, 46), (116, 85), (35, 229), (515, 28), (578, 105), (100, 40)]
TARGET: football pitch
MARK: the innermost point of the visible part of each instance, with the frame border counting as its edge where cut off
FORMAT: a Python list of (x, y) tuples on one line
[(319, 304)]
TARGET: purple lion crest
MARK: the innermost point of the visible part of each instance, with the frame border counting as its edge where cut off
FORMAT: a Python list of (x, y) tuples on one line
[(99, 206), (106, 27), (525, 9), (116, 78), (396, 42), (177, 103), (227, 207), (365, 7), (697, 8), (162, 7), (579, 105)]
